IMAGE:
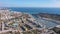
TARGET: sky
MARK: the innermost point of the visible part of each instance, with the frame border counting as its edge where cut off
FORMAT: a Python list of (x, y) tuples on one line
[(29, 3)]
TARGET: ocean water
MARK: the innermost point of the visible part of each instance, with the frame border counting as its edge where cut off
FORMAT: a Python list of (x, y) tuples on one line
[(36, 10)]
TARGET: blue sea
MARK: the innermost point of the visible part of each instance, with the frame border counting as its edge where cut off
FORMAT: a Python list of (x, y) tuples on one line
[(36, 10)]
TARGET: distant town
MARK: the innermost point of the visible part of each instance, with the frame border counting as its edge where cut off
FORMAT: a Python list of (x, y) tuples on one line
[(13, 22)]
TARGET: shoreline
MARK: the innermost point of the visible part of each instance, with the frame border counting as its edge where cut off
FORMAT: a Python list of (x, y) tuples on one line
[(50, 16)]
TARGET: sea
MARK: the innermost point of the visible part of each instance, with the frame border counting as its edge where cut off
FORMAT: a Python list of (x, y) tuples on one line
[(36, 10)]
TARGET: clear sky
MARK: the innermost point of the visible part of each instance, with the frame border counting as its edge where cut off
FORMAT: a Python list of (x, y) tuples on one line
[(29, 3)]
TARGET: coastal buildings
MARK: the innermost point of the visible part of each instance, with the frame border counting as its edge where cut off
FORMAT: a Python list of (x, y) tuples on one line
[(21, 23)]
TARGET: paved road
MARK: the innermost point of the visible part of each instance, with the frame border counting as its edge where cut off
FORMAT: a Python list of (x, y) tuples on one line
[(8, 30)]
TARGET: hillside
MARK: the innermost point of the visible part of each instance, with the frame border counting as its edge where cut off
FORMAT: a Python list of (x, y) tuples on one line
[(46, 15)]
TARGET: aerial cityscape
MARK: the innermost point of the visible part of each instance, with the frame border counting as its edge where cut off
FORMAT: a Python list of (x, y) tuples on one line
[(12, 22), (29, 16)]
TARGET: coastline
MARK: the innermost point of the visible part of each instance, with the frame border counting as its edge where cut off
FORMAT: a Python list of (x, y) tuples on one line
[(50, 16)]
